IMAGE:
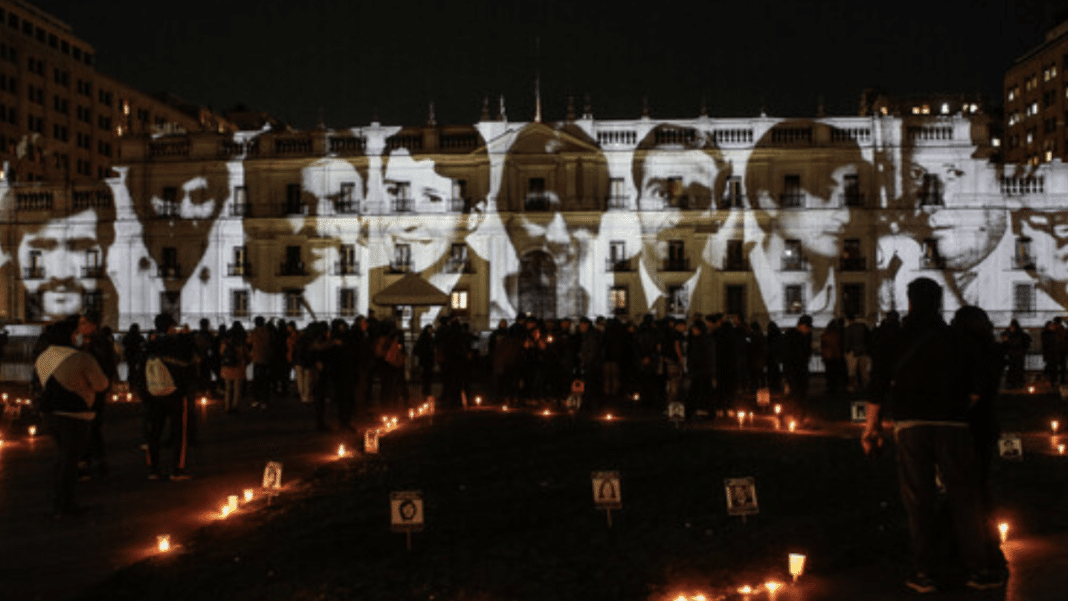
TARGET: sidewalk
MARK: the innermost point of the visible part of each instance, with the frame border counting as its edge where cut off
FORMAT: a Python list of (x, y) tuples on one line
[(42, 559)]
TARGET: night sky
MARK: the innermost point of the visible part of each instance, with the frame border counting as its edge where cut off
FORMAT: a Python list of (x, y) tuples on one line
[(349, 61)]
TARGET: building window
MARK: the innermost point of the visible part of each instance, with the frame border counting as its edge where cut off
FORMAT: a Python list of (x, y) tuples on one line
[(293, 264), (402, 258), (35, 270), (617, 256), (853, 299), (677, 259), (458, 301), (618, 299), (239, 303), (401, 195), (732, 196), (293, 204), (239, 266), (169, 268), (931, 190), (851, 192), (1022, 258), (792, 259), (1023, 299), (241, 208), (457, 261), (347, 264), (346, 201), (617, 198), (793, 197), (735, 294), (931, 258), (735, 255), (93, 301), (294, 302), (793, 299), (677, 300), (459, 201), (346, 302), (536, 199), (852, 257), (92, 268)]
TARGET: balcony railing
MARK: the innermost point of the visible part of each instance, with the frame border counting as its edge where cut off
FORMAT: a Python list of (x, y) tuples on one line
[(93, 271), (346, 268), (618, 265), (294, 208), (736, 265), (537, 202), (794, 264), (288, 268), (853, 264), (168, 272), (400, 267), (403, 205), (33, 272), (618, 202), (792, 200), (677, 264), (1023, 261), (458, 266), (347, 207), (238, 269), (851, 199)]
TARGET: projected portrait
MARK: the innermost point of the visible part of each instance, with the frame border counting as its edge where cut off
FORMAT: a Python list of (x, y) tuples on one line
[(1041, 240), (678, 171), (61, 261), (434, 201), (801, 214), (555, 182)]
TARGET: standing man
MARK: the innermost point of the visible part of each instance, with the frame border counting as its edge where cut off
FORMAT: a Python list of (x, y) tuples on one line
[(177, 351), (858, 360), (260, 345), (928, 379)]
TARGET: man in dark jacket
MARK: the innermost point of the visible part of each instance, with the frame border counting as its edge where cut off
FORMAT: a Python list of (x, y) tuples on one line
[(798, 348), (177, 351), (927, 379)]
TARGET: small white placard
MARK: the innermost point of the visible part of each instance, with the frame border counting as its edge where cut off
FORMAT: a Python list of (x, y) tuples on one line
[(1011, 446), (676, 411), (606, 491), (741, 496), (406, 511), (370, 441), (859, 411), (272, 475)]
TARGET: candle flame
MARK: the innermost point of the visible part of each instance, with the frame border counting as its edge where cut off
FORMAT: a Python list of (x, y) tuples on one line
[(746, 590), (778, 409), (32, 430), (248, 494), (341, 451), (608, 417), (504, 408), (797, 565), (225, 511), (1060, 448), (1003, 528), (163, 542), (478, 400), (772, 586), (546, 413), (203, 400), (1055, 425), (793, 425)]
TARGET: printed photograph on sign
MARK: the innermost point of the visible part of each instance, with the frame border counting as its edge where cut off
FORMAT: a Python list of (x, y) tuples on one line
[(406, 510), (370, 441), (272, 475), (606, 490), (741, 496), (859, 411), (676, 411), (1010, 446)]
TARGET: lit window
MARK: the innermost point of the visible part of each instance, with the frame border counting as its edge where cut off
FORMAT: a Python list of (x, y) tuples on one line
[(458, 300), (1049, 155), (347, 302), (1012, 95), (1023, 299), (239, 303), (794, 299), (617, 299), (995, 142), (926, 109), (945, 108), (915, 110)]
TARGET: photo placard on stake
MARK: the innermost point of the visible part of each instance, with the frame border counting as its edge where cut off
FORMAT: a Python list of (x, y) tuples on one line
[(676, 411), (406, 511), (763, 397), (370, 441), (741, 496), (606, 490), (1010, 446), (859, 411), (272, 476)]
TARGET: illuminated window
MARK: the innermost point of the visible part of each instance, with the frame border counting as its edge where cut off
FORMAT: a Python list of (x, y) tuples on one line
[(926, 109), (460, 200), (347, 264), (677, 300), (346, 302), (793, 299), (792, 259), (1011, 94), (617, 300), (401, 195), (402, 258), (457, 261), (931, 190), (458, 301), (617, 198), (931, 258), (617, 256), (793, 197), (294, 302), (241, 208), (1023, 299), (346, 200), (239, 266), (1022, 258), (732, 197), (239, 303), (945, 108)]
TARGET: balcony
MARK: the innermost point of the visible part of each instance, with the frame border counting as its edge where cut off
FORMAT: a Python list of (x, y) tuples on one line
[(347, 207), (33, 272), (1023, 261), (794, 263), (853, 264), (238, 269), (851, 199), (293, 208), (458, 266), (677, 264), (346, 268), (736, 264), (792, 200), (618, 202), (395, 267), (168, 210), (403, 205), (290, 268), (169, 272), (94, 272), (618, 265)]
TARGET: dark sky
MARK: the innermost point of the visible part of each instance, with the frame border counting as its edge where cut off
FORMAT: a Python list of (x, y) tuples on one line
[(350, 60)]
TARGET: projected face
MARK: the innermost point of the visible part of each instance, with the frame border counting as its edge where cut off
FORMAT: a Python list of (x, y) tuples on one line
[(821, 227), (52, 260), (420, 218), (332, 183), (965, 235), (1047, 230), (678, 179)]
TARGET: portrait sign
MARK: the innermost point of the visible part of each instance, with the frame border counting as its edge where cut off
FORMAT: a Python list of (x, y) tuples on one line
[(676, 411), (606, 490), (370, 441), (1010, 446), (406, 511), (859, 411), (741, 496), (272, 475)]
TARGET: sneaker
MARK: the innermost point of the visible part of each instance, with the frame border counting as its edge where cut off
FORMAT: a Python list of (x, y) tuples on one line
[(180, 474), (985, 580), (921, 583)]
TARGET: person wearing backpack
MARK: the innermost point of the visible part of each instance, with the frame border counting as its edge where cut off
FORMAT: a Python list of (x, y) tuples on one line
[(70, 380), (169, 370), (233, 362)]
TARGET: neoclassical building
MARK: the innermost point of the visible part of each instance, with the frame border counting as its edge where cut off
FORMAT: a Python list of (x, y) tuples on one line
[(764, 217)]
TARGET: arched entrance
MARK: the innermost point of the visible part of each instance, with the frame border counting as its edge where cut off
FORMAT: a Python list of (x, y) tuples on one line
[(537, 284)]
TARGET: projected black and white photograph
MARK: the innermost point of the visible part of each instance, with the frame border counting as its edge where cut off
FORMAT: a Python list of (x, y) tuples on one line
[(480, 251)]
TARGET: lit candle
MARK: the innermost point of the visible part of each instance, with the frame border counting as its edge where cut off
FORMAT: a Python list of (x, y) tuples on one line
[(608, 417), (772, 586), (4, 396), (741, 418), (225, 511), (1031, 389), (546, 413), (341, 450), (249, 494), (1003, 528), (231, 502), (1060, 448), (637, 397), (163, 543), (114, 398), (1055, 425), (504, 408), (411, 414), (778, 409), (129, 396), (745, 590), (1, 443), (203, 400), (793, 425), (32, 430), (797, 565), (478, 400)]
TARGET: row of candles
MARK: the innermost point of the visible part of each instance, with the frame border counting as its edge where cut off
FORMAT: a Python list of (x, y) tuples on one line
[(796, 564), (233, 502)]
